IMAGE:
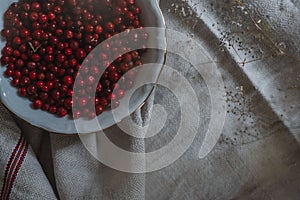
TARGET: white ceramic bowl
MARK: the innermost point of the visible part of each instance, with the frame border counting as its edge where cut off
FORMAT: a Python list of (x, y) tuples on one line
[(151, 17)]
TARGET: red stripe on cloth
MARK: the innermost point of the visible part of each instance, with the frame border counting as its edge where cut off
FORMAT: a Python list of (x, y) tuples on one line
[(9, 165), (13, 166), (15, 169), (15, 172)]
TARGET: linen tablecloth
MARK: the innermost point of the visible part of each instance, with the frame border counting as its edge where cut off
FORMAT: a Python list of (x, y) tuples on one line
[(256, 46)]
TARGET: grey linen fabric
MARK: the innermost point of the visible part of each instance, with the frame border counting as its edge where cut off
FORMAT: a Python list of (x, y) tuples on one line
[(31, 182), (256, 47)]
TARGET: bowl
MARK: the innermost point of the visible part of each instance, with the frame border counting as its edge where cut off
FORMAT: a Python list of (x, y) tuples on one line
[(151, 17)]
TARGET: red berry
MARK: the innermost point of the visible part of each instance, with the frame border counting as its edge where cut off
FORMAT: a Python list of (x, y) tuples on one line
[(61, 58), (114, 76), (45, 88), (62, 112), (89, 28), (51, 16), (83, 102), (15, 82), (70, 93), (22, 92), (32, 75), (17, 41), (16, 53), (37, 104), (7, 50), (69, 34), (25, 81), (46, 107), (112, 96), (49, 50), (68, 103), (91, 115), (36, 57), (31, 89), (130, 16), (17, 74), (57, 10), (68, 51), (40, 84), (50, 84), (44, 96), (9, 72), (99, 29), (99, 109), (76, 114), (34, 16), (91, 80), (110, 26), (80, 53), (35, 6), (68, 80), (120, 93), (6, 33), (53, 109), (43, 18)]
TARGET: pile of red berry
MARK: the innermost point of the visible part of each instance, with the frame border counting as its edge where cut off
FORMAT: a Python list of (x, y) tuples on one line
[(47, 41)]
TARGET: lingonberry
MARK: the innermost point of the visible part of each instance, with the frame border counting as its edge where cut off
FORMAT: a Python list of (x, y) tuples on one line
[(68, 103), (45, 107), (76, 114), (43, 18), (98, 29), (17, 74), (68, 51), (9, 72), (69, 34), (34, 16), (49, 50), (83, 101), (55, 94), (61, 58), (62, 112), (35, 6), (68, 80), (80, 53), (53, 109), (50, 84), (22, 91), (7, 50), (37, 104), (92, 115), (17, 41), (40, 84), (43, 96), (19, 63), (89, 28), (32, 75), (16, 53), (51, 16), (25, 81), (109, 26), (36, 57), (31, 89), (6, 33), (15, 82)]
